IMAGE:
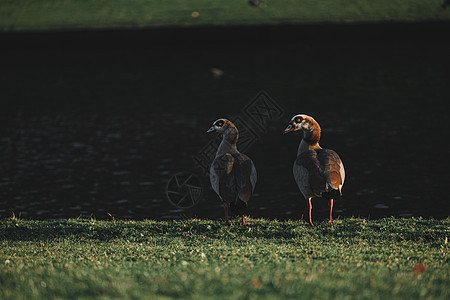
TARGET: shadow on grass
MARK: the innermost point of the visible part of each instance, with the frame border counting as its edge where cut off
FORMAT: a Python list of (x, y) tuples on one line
[(389, 229), (44, 231)]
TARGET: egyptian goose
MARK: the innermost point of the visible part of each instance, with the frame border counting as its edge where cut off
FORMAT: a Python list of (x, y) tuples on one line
[(232, 174), (318, 172)]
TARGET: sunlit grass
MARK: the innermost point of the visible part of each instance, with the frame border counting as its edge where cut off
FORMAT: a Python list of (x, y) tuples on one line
[(66, 14), (352, 258)]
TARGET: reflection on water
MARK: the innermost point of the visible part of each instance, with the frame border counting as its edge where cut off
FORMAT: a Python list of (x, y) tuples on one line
[(103, 165)]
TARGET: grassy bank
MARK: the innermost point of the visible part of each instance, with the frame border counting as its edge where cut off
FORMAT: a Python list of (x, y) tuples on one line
[(352, 258), (21, 15)]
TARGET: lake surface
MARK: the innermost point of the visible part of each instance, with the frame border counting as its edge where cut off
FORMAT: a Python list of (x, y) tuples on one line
[(99, 128)]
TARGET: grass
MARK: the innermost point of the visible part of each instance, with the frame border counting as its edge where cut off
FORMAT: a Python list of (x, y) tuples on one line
[(353, 258), (26, 15)]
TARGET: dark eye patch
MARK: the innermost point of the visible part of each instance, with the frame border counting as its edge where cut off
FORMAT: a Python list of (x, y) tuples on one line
[(219, 123), (298, 120)]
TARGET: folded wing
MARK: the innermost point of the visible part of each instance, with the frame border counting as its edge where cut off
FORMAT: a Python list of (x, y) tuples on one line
[(233, 177)]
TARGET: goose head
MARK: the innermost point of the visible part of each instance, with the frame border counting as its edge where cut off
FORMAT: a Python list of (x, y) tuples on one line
[(220, 126), (300, 122)]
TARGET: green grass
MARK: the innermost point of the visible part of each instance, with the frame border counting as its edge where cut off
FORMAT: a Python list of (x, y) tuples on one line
[(17, 15), (353, 258)]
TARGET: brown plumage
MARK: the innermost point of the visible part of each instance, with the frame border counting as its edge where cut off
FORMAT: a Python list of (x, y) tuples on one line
[(318, 172), (232, 174), (233, 171)]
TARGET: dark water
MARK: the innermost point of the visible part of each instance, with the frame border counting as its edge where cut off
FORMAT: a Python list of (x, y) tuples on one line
[(98, 129)]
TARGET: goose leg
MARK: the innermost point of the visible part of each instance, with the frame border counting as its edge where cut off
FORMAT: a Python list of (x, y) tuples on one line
[(243, 221), (310, 209), (330, 204), (225, 206)]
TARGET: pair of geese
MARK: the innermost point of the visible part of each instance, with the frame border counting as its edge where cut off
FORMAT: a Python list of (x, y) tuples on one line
[(318, 172)]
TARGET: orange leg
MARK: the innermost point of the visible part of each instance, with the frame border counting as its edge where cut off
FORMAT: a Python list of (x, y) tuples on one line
[(243, 221), (310, 209), (330, 204), (225, 206)]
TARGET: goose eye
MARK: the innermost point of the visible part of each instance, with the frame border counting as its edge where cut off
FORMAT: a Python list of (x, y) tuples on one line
[(219, 123), (298, 120)]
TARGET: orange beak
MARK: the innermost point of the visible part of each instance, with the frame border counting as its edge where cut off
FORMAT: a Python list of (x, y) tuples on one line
[(289, 129)]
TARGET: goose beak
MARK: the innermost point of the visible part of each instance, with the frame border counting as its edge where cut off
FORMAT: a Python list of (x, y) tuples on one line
[(289, 129), (212, 129)]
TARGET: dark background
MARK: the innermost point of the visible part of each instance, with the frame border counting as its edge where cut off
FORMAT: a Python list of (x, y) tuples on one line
[(96, 123)]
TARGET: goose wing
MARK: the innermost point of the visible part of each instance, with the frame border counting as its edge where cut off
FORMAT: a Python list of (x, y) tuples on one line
[(245, 176), (332, 168), (317, 171), (233, 176)]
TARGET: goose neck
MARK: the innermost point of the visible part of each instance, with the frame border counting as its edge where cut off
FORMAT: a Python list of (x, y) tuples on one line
[(229, 140)]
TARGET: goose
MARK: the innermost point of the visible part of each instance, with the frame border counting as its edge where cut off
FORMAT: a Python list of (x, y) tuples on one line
[(232, 174), (318, 172)]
